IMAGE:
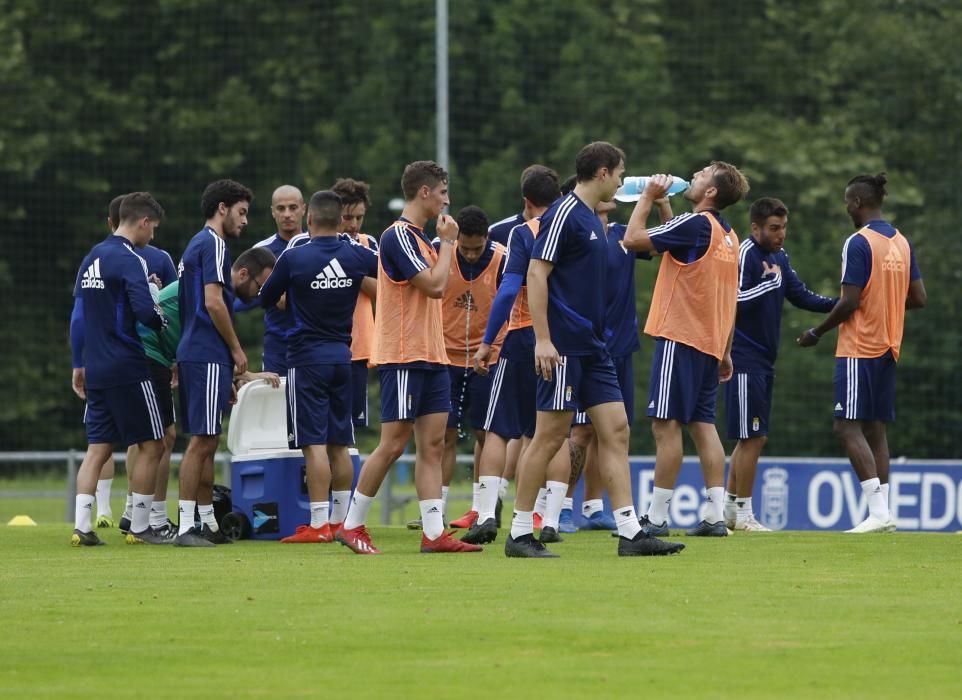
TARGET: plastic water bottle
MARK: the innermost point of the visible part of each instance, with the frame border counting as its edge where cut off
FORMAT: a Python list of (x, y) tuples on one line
[(632, 188)]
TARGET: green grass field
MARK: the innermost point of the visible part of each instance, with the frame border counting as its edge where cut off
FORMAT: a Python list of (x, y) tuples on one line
[(782, 615)]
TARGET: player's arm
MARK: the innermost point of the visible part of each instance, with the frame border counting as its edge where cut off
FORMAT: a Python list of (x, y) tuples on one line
[(138, 293), (916, 297), (845, 307), (369, 283), (636, 237), (546, 357), (756, 280), (78, 378), (798, 293), (433, 280), (220, 317), (277, 283)]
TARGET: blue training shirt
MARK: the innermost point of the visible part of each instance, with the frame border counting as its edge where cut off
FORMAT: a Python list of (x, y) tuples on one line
[(621, 320), (761, 295), (206, 261), (518, 344), (277, 322), (857, 256), (500, 230), (112, 287), (159, 263), (573, 239), (322, 279)]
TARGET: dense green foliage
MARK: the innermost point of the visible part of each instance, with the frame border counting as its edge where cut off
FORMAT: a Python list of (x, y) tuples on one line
[(103, 97)]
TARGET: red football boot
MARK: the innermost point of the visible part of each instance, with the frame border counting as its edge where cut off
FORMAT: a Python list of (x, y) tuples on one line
[(334, 528), (445, 543), (465, 521), (536, 517), (311, 535), (358, 540)]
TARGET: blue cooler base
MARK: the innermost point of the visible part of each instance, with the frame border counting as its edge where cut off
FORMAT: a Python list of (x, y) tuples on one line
[(270, 490)]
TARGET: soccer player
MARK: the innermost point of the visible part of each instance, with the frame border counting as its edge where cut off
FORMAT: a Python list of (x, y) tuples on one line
[(692, 318), (355, 200), (880, 280), (287, 209), (160, 272), (476, 268), (322, 280), (566, 296), (114, 377), (765, 280), (412, 363), (511, 405), (209, 353)]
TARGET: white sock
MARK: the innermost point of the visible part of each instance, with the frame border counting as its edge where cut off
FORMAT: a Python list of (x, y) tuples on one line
[(541, 502), (522, 524), (319, 510), (876, 503), (658, 508), (627, 521), (715, 504), (474, 497), (207, 516), (357, 513), (158, 513), (885, 495), (185, 512), (83, 512), (554, 498), (729, 497), (103, 497), (503, 489), (743, 511), (140, 520), (340, 500), (568, 504), (444, 505), (589, 508), (432, 521), (488, 496), (129, 506)]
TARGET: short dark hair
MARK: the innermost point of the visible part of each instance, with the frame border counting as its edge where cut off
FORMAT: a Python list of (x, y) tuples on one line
[(569, 184), (352, 192), (594, 156), (729, 182), (765, 207), (113, 209), (539, 185), (869, 188), (138, 205), (420, 173), (227, 191), (472, 221), (255, 259), (325, 209)]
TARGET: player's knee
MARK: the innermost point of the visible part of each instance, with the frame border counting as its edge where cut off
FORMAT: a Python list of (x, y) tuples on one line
[(664, 430), (845, 429)]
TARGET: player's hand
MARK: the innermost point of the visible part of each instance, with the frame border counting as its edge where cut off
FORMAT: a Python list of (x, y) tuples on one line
[(808, 339), (78, 383), (156, 280), (270, 377), (481, 358), (282, 302), (447, 228), (233, 395), (767, 269), (240, 360), (725, 368), (546, 358), (657, 187), (174, 377)]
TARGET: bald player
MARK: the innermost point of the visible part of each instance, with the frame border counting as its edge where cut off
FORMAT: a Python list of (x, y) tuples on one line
[(287, 209)]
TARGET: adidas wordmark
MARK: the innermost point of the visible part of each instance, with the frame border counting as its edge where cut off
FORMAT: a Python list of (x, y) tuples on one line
[(332, 277)]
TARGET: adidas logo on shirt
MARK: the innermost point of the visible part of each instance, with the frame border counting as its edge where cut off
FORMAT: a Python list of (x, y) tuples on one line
[(593, 237), (91, 278), (332, 277), (466, 301), (892, 262), (838, 407)]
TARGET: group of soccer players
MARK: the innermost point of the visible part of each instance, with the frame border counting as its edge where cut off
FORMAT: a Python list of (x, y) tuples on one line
[(524, 329)]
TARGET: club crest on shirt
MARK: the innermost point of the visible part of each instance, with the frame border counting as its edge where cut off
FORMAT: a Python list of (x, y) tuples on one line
[(567, 393), (756, 424)]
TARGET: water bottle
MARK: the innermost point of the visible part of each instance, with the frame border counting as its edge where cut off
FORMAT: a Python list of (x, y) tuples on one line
[(632, 188)]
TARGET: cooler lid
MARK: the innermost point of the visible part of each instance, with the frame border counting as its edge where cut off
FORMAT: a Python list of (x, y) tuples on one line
[(258, 420)]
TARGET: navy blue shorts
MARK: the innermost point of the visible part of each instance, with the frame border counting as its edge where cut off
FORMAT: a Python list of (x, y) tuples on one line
[(359, 409), (319, 405), (470, 392), (511, 406), (683, 385), (865, 388), (407, 394), (205, 392), (748, 405), (579, 383), (626, 380), (276, 364), (127, 414)]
